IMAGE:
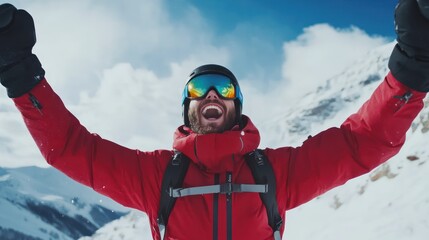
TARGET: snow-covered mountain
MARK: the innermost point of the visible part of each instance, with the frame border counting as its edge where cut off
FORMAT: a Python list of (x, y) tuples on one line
[(40, 203), (391, 203)]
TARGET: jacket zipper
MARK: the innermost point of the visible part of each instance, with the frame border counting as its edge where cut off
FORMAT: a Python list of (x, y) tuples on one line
[(229, 209), (215, 210), (35, 102), (403, 100)]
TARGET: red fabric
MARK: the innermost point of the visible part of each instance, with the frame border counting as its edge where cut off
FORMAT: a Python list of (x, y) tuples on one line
[(133, 178)]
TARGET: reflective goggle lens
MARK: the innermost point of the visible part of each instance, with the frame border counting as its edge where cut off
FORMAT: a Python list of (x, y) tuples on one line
[(200, 85)]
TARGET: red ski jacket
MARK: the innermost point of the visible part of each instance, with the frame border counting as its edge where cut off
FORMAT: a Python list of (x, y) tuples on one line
[(133, 178)]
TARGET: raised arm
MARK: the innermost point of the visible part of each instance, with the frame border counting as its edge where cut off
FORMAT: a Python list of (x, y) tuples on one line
[(377, 131), (107, 167), (364, 141)]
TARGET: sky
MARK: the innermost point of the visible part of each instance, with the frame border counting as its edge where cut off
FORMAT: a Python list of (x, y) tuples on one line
[(288, 18), (120, 68), (276, 21)]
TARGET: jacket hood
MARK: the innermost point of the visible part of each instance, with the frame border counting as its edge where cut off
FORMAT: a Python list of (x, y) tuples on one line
[(217, 152)]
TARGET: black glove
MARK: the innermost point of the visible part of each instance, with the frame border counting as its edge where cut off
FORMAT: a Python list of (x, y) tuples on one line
[(409, 62), (20, 70)]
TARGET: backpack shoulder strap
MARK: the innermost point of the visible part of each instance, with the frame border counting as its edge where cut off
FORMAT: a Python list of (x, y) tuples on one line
[(173, 178), (263, 173)]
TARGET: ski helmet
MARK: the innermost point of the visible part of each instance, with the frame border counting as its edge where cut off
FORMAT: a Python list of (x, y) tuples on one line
[(214, 69)]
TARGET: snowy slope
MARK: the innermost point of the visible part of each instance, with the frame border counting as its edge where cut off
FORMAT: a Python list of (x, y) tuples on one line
[(391, 203), (39, 203), (135, 225)]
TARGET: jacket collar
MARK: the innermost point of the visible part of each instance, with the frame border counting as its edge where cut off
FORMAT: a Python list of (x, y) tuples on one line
[(217, 152)]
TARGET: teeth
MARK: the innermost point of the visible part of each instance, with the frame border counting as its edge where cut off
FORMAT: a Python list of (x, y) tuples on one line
[(213, 107)]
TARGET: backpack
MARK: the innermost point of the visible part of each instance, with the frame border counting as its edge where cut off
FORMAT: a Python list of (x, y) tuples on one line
[(265, 185)]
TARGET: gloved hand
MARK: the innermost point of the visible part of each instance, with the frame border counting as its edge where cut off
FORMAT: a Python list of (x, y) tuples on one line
[(409, 62), (20, 70)]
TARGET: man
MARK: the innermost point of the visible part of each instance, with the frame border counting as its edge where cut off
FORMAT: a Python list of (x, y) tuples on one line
[(216, 136)]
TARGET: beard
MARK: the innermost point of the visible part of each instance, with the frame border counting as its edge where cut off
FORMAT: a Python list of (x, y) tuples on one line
[(197, 127)]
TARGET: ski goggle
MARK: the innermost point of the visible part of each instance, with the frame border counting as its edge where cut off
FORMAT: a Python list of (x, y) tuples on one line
[(198, 87)]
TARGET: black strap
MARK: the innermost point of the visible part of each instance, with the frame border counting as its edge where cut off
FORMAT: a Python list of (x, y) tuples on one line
[(263, 173), (216, 210), (228, 180), (173, 178)]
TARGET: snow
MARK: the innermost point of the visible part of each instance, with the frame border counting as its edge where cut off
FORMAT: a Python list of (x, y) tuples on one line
[(51, 198), (52, 195), (4, 177), (388, 208), (130, 227)]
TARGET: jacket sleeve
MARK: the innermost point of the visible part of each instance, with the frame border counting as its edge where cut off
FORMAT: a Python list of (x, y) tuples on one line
[(127, 176), (365, 140)]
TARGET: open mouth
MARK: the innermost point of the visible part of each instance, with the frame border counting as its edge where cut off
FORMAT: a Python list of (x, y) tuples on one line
[(212, 112)]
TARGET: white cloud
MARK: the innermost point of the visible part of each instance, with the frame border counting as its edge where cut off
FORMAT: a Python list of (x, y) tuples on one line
[(77, 40), (322, 51), (137, 111)]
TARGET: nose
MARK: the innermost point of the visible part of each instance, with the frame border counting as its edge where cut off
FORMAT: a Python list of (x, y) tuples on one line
[(212, 95)]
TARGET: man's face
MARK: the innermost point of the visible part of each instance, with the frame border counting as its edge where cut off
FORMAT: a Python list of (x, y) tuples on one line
[(211, 114)]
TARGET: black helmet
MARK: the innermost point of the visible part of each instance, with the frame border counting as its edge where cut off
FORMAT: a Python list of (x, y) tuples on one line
[(214, 69)]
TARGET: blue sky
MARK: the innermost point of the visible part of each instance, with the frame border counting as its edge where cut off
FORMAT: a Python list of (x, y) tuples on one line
[(276, 21), (288, 18)]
